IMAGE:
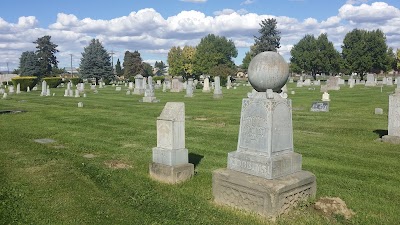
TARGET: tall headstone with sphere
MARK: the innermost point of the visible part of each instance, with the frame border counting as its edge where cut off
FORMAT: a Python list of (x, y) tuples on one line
[(264, 174)]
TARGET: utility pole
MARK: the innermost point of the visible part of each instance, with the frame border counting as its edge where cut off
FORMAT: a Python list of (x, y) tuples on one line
[(72, 70), (112, 61), (8, 69)]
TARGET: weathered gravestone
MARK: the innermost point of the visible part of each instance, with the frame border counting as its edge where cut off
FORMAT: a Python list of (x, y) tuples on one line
[(189, 88), (332, 84), (177, 85), (138, 90), (325, 97), (370, 80), (44, 89), (217, 87), (320, 106), (170, 157), (394, 118), (264, 174), (149, 92), (206, 85)]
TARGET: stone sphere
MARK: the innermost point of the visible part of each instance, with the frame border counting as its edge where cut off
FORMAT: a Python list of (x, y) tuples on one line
[(268, 70)]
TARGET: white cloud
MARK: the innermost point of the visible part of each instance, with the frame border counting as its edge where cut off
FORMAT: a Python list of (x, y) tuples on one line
[(153, 35), (247, 2), (374, 13), (356, 2)]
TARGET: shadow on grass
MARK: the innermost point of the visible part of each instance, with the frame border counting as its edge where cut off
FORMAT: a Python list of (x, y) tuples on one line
[(381, 133), (195, 159)]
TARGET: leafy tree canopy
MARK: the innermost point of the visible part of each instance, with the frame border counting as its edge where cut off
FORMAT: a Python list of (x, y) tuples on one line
[(212, 51), (175, 61), (132, 64)]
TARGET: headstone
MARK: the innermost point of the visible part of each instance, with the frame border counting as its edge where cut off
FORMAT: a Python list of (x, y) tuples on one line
[(378, 111), (77, 94), (370, 80), (307, 82), (80, 104), (341, 81), (206, 85), (2, 91), (4, 95), (229, 83), (325, 97), (389, 81), (394, 118), (332, 84), (317, 83), (18, 88), (351, 82), (101, 85), (384, 81), (118, 88), (44, 88), (138, 90), (48, 91), (320, 106), (217, 89), (84, 95), (131, 86), (93, 87), (28, 89), (264, 174), (170, 157), (299, 83), (189, 88), (11, 90), (149, 92), (164, 87), (128, 92), (177, 85), (292, 92)]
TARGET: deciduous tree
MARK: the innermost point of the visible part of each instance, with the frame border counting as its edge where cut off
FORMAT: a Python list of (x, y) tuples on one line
[(175, 62)]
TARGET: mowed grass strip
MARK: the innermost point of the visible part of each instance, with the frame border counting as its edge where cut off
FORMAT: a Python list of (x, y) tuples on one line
[(55, 184)]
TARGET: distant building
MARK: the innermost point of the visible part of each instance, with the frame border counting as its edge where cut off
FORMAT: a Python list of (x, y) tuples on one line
[(73, 71)]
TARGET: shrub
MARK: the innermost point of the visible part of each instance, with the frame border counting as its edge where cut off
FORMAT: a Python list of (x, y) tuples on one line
[(75, 80), (156, 78), (52, 82), (25, 82)]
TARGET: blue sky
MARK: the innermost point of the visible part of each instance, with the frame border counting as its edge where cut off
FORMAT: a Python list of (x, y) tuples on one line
[(154, 26)]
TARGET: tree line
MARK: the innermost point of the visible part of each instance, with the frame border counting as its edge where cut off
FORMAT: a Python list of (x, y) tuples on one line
[(362, 52)]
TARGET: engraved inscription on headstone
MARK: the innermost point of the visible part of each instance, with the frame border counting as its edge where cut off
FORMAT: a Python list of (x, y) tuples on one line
[(320, 107)]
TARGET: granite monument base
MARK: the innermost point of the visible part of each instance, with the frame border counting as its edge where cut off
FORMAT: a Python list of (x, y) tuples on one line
[(150, 99), (171, 174), (391, 139), (138, 91), (269, 198)]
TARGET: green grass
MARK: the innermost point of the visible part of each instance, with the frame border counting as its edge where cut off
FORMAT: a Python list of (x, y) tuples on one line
[(54, 184)]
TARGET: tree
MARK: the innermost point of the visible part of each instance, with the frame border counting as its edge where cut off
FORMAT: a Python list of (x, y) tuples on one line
[(222, 70), (161, 67), (391, 57), (175, 62), (270, 37), (95, 62), (248, 57), (188, 53), (147, 69), (29, 64), (398, 58), (212, 51), (315, 55), (118, 69), (45, 52), (132, 64), (365, 51)]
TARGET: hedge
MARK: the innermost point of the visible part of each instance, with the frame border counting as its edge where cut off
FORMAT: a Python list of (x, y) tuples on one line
[(52, 82), (75, 80), (25, 82)]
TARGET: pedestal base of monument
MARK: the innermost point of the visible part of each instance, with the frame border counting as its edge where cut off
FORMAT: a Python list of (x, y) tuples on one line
[(269, 198), (217, 96), (171, 174), (391, 139), (149, 99)]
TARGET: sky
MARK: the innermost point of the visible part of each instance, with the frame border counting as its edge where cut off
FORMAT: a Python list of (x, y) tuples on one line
[(154, 26)]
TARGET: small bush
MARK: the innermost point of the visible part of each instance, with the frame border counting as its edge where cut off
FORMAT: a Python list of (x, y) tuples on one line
[(75, 80), (52, 82), (199, 85), (25, 82), (156, 78)]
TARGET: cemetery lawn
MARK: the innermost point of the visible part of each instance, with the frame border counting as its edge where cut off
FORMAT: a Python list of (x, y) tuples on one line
[(97, 170)]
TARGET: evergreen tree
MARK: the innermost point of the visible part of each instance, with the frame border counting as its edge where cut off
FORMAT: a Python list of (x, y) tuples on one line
[(45, 52), (95, 62), (29, 64), (269, 39), (132, 64), (398, 58), (118, 69), (147, 69), (161, 67)]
